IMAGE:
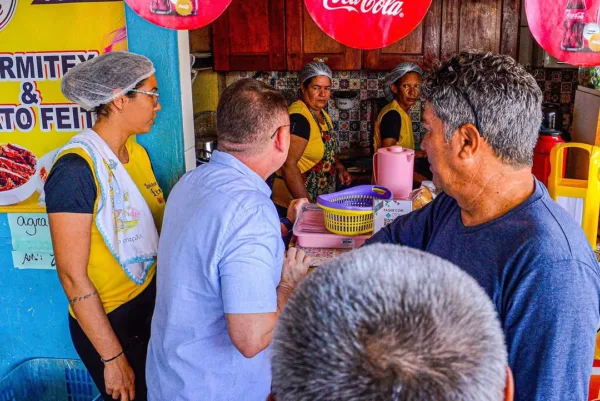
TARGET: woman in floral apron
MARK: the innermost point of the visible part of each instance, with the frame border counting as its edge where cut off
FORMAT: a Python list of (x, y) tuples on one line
[(312, 166)]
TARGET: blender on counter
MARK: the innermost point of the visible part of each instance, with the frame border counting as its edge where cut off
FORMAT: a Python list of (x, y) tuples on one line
[(548, 138)]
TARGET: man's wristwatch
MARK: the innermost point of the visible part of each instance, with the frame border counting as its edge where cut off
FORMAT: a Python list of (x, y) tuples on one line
[(287, 223)]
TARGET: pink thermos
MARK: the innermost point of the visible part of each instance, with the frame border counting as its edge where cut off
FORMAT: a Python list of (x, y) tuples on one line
[(393, 169)]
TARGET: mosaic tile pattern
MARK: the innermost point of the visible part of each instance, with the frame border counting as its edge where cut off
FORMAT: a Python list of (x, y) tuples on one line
[(559, 87), (355, 127)]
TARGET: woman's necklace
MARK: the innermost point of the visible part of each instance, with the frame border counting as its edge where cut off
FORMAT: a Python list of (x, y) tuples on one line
[(329, 127), (319, 115)]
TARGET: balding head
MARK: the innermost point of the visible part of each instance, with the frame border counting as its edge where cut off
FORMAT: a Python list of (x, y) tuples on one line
[(248, 113)]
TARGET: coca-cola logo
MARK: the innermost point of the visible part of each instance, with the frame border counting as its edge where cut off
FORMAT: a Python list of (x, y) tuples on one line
[(385, 7), (388, 21), (575, 15)]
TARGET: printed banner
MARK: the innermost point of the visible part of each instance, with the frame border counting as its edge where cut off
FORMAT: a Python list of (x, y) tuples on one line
[(180, 14), (569, 30), (367, 24), (39, 43)]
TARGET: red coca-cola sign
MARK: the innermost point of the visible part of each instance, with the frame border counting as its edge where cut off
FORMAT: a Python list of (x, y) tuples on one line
[(179, 14), (367, 24), (569, 30)]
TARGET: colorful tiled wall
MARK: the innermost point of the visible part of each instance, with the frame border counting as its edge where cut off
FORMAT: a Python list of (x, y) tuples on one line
[(354, 127), (559, 87)]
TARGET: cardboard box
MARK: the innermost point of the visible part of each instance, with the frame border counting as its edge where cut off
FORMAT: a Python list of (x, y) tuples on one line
[(385, 211)]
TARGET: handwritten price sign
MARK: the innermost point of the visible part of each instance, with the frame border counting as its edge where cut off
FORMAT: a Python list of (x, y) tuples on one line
[(34, 260), (31, 242)]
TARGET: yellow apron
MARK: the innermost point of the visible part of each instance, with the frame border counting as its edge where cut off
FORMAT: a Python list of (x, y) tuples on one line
[(317, 163), (406, 138)]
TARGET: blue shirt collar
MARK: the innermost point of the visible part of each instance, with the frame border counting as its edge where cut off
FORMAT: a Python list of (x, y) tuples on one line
[(229, 160)]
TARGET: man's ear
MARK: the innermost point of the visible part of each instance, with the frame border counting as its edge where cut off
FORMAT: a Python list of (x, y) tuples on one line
[(271, 397), (468, 140), (509, 390), (279, 140)]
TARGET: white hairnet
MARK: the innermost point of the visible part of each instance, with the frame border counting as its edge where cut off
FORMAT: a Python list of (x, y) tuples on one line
[(93, 83), (312, 70), (398, 72)]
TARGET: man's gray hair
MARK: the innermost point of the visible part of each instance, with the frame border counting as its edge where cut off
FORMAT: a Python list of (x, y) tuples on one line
[(386, 322), (506, 98)]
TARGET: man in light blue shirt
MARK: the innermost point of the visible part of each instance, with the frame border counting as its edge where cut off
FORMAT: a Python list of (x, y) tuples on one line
[(221, 277)]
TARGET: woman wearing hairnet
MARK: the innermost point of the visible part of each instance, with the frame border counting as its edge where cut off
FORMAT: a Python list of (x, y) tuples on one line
[(312, 164), (104, 206), (394, 125)]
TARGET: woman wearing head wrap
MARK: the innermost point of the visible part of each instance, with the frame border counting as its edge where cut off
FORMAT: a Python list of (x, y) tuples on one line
[(104, 206), (312, 165), (394, 125)]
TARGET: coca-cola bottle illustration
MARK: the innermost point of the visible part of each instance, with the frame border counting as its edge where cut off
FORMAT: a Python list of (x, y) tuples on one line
[(161, 7), (574, 24), (194, 7)]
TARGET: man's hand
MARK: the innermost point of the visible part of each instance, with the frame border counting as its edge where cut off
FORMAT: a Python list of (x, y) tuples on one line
[(294, 208), (119, 379), (295, 267)]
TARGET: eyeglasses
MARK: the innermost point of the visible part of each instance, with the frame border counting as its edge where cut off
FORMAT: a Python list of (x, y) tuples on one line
[(454, 67), (155, 95), (281, 126)]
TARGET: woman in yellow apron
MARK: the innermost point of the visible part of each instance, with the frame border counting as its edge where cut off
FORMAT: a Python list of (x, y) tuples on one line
[(394, 125), (312, 165), (105, 208)]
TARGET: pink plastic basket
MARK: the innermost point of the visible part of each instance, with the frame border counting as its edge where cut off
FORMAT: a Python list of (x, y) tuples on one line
[(311, 232)]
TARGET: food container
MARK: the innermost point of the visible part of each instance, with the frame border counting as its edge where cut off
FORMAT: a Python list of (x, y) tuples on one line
[(386, 211), (345, 100), (311, 232), (18, 174)]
